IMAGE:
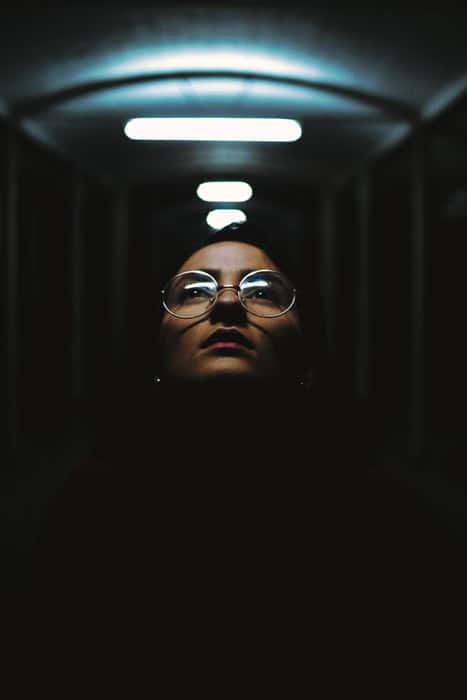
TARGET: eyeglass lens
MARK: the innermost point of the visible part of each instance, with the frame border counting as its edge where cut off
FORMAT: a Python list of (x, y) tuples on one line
[(262, 293)]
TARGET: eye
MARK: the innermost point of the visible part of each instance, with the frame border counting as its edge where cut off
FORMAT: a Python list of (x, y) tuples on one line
[(266, 292), (190, 293), (193, 291)]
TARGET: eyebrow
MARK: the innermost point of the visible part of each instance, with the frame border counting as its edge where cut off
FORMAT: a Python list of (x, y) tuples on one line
[(215, 272)]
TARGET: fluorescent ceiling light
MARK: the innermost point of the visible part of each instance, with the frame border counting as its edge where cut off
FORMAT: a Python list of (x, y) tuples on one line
[(212, 129), (224, 191), (218, 218)]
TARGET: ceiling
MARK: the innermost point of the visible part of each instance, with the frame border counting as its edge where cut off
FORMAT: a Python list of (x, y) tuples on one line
[(357, 77)]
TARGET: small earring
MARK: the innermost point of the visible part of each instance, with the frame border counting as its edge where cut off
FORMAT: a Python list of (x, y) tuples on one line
[(307, 381), (156, 379)]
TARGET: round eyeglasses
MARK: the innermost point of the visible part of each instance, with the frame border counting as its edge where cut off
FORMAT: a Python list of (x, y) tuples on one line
[(265, 293)]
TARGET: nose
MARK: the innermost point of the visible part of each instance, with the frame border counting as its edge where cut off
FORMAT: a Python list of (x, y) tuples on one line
[(228, 306), (228, 294)]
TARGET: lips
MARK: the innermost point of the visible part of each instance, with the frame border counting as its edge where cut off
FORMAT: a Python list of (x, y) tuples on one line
[(229, 337)]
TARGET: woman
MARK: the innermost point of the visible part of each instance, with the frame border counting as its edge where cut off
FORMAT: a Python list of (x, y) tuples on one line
[(231, 500), (239, 324), (241, 412)]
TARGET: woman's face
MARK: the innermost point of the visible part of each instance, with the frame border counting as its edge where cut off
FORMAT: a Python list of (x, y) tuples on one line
[(268, 347)]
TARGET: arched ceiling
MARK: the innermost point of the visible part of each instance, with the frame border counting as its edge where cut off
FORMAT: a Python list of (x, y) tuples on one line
[(358, 78)]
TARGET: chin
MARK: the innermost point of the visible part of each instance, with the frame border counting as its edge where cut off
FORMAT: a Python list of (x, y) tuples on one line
[(226, 375), (227, 368), (229, 378)]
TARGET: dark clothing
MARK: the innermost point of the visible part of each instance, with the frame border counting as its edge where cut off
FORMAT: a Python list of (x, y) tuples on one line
[(237, 500)]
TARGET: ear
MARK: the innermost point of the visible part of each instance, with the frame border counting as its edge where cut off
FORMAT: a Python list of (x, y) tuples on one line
[(308, 378)]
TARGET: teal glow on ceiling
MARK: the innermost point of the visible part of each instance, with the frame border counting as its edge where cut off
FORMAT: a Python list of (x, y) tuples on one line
[(180, 96), (264, 62)]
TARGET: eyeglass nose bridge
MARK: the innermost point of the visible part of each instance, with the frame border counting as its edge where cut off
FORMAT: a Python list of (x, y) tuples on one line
[(233, 287)]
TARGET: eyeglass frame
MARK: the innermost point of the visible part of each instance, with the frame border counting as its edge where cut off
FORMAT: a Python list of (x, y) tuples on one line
[(219, 287)]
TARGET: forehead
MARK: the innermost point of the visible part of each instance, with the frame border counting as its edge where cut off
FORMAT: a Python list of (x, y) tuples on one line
[(228, 257)]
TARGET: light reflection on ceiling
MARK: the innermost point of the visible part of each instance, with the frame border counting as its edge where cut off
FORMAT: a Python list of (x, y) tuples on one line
[(265, 62), (208, 94)]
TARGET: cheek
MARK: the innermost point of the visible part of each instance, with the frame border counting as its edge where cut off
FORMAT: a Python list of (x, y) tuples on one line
[(177, 340), (169, 338), (281, 339), (283, 331)]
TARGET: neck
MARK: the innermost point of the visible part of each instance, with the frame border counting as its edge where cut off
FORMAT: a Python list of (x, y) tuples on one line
[(203, 415), (231, 388)]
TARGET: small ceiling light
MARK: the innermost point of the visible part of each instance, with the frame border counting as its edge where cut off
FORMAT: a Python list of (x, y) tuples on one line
[(212, 129), (218, 218), (224, 191)]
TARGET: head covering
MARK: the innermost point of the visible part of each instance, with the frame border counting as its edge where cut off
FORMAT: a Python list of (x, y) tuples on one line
[(278, 246)]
